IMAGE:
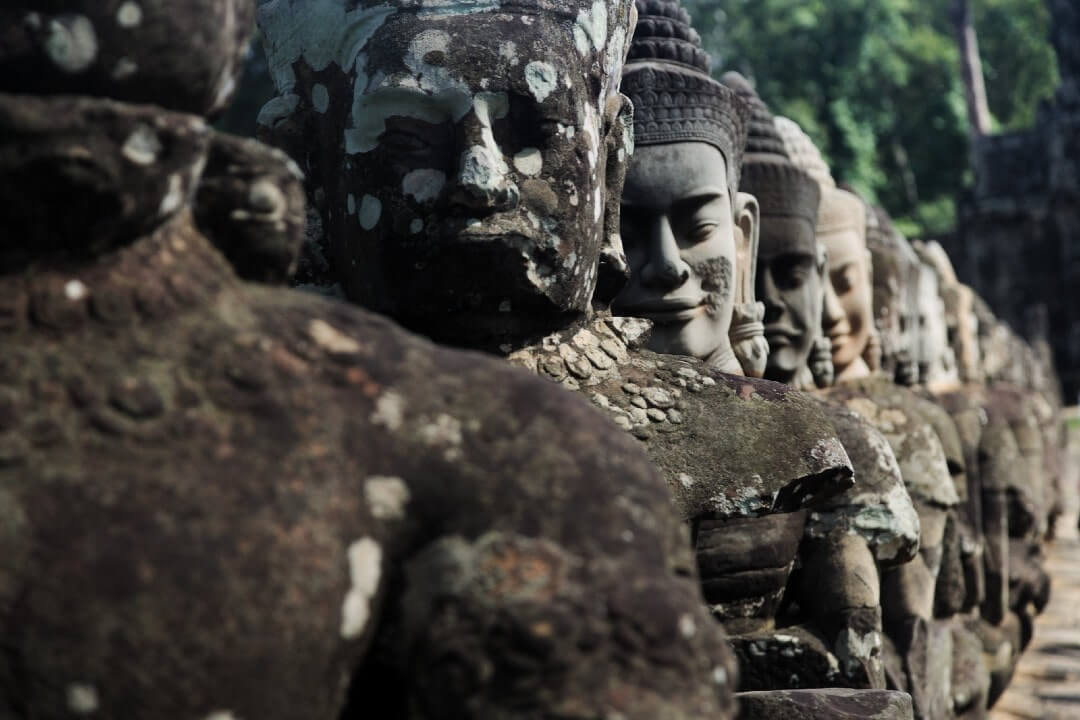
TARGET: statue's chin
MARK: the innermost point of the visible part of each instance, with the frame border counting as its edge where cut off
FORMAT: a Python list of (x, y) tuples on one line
[(698, 338)]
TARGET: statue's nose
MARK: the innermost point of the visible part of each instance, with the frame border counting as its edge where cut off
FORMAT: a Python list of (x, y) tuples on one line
[(482, 182), (666, 269)]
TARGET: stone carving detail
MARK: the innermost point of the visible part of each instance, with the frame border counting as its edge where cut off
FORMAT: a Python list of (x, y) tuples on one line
[(223, 499)]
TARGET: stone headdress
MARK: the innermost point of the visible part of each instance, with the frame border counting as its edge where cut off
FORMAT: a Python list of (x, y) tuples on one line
[(840, 210), (781, 188), (667, 76)]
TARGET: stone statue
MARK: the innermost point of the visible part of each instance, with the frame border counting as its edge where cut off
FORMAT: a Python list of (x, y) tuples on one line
[(676, 187), (841, 233), (228, 500), (869, 525), (689, 235), (513, 247), (790, 267), (895, 291), (933, 652), (937, 363)]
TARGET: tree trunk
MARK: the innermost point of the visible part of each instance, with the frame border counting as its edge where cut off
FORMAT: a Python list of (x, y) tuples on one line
[(971, 66)]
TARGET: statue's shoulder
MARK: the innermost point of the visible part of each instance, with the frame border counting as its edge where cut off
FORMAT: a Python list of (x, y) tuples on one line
[(728, 445)]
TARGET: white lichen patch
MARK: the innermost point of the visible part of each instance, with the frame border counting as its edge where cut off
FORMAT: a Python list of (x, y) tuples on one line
[(444, 431), (590, 29), (331, 339), (613, 61), (365, 569), (386, 497), (529, 162), (542, 79), (416, 226), (125, 67), (389, 410), (82, 699), (221, 715), (129, 15), (370, 211), (71, 43), (508, 52), (686, 481), (687, 626), (142, 147), (748, 500), (423, 184), (75, 290), (592, 135), (319, 31), (174, 196)]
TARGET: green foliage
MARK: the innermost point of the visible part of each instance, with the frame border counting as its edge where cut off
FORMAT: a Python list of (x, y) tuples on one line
[(877, 85), (1019, 63)]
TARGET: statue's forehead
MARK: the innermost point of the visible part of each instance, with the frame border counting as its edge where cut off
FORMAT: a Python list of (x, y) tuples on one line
[(844, 246), (787, 236), (342, 31)]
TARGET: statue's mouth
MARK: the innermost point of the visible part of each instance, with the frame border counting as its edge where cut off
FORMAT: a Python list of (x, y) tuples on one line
[(668, 310)]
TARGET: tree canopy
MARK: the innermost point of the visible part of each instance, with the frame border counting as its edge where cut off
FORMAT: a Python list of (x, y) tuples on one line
[(878, 86)]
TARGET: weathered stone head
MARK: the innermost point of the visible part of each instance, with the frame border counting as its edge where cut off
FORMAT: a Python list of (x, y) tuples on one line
[(789, 262), (993, 340), (90, 166), (895, 274), (841, 233), (184, 57), (461, 155), (682, 216), (937, 364)]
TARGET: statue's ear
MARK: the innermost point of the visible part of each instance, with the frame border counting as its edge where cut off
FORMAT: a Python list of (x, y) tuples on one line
[(614, 271), (748, 222)]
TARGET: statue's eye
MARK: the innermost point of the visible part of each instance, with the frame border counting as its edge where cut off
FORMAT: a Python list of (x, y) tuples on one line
[(794, 272), (702, 231)]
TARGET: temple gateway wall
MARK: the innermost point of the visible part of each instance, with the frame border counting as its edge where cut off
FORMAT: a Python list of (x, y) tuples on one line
[(1018, 237)]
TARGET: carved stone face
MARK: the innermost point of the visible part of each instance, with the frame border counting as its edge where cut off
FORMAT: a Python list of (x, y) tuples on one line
[(678, 230), (464, 164), (933, 333), (887, 298), (789, 284), (849, 271), (959, 305), (907, 350)]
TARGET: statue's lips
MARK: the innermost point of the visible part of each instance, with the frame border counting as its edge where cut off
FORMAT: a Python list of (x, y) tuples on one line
[(666, 310), (839, 340), (778, 335)]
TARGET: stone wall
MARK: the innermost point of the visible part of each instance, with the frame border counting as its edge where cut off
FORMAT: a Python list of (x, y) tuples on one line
[(1018, 240)]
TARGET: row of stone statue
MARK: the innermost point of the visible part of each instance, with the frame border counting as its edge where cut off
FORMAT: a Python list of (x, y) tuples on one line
[(224, 498)]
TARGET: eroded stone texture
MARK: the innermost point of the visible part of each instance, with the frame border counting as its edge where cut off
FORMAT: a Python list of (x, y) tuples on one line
[(215, 493), (231, 435), (814, 704), (126, 50), (933, 584), (250, 203), (712, 434), (517, 252), (459, 156)]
